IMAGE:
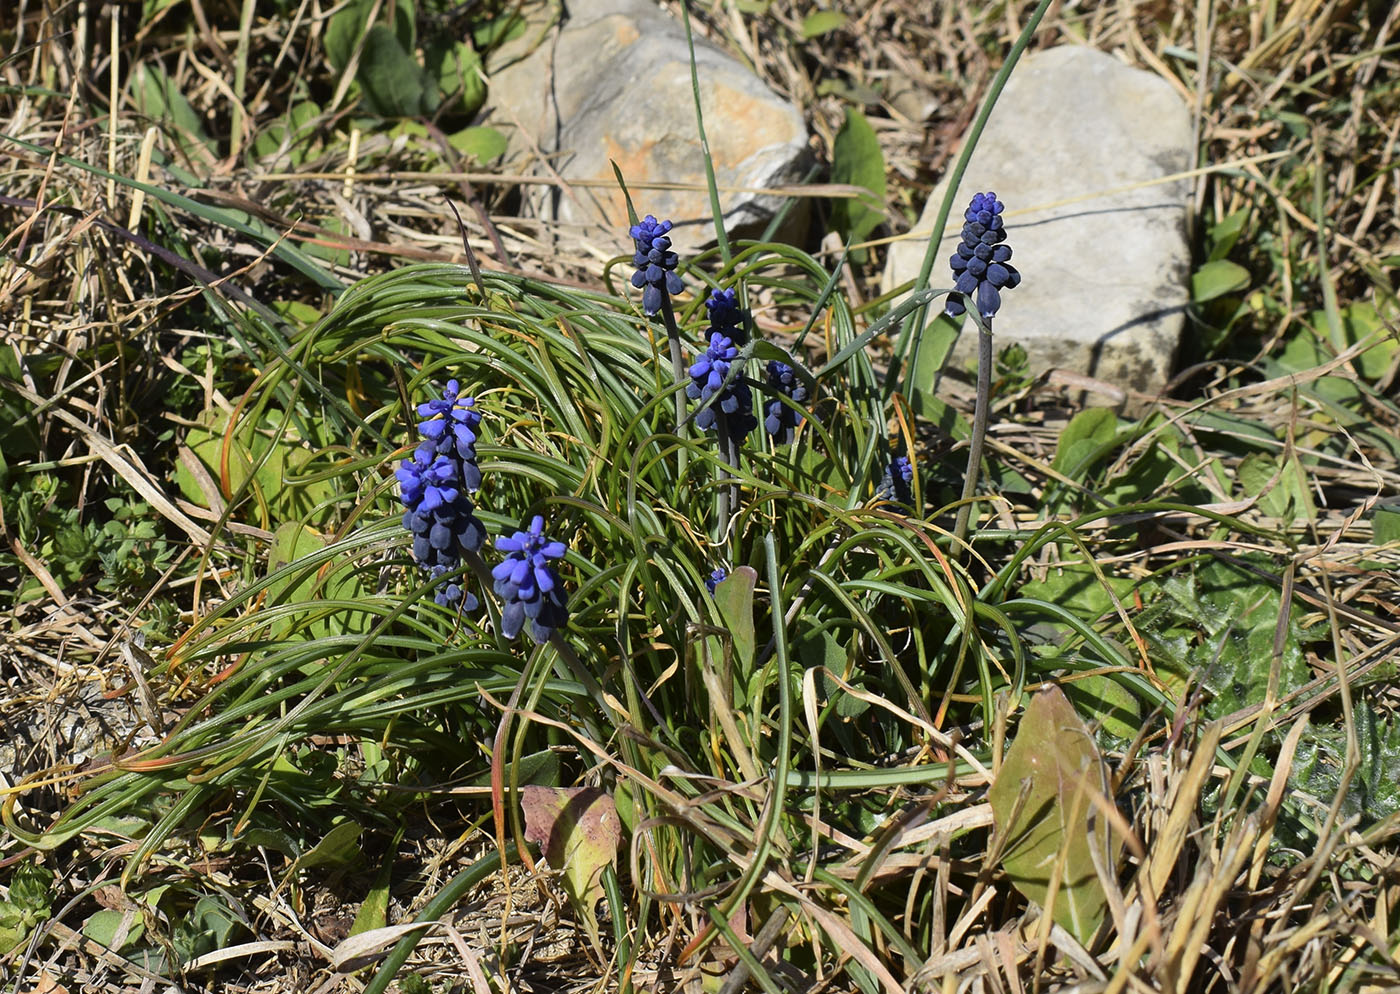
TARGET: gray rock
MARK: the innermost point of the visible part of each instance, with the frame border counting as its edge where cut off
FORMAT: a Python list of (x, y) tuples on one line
[(613, 85), (1104, 269)]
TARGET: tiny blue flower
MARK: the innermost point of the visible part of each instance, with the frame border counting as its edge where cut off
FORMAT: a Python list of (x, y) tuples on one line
[(452, 422), (981, 267), (707, 376), (655, 262), (716, 577), (779, 419), (528, 586)]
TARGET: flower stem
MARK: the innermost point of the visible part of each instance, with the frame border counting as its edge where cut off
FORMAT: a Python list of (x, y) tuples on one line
[(728, 458), (979, 435), (673, 339)]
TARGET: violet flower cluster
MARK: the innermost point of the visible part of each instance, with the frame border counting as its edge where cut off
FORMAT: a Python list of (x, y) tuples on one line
[(528, 586), (655, 262), (781, 420), (710, 372), (897, 481), (981, 266), (435, 485)]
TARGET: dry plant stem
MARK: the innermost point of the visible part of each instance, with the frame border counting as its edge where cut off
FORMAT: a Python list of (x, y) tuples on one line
[(979, 436)]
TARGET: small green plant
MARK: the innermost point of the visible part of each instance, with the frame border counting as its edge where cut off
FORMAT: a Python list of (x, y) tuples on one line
[(27, 904)]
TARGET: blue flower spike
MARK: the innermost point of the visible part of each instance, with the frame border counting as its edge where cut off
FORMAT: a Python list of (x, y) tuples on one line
[(981, 267), (716, 577), (655, 262), (527, 584), (781, 420), (435, 485), (708, 373), (897, 483)]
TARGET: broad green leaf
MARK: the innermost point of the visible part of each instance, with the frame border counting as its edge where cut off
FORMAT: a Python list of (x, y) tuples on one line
[(821, 22), (295, 129), (498, 31), (1218, 622), (348, 25), (480, 143), (1044, 809), (159, 99), (1385, 525), (394, 84), (936, 344), (1075, 586), (105, 928), (206, 442), (1286, 498), (1215, 279), (1082, 439), (292, 541), (1224, 233), (1374, 790), (856, 159), (339, 846), (1359, 321), (344, 30), (455, 64), (734, 595), (374, 909), (1105, 700), (578, 831)]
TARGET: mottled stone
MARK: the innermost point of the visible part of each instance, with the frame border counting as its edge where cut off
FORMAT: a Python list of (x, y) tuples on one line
[(1077, 149), (612, 84)]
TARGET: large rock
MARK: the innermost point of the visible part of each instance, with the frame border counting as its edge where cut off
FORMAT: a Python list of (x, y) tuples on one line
[(613, 85), (1104, 266)]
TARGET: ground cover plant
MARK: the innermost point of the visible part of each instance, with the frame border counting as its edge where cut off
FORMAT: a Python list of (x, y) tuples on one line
[(414, 606)]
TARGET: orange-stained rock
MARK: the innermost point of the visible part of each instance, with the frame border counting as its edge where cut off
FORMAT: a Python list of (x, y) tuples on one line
[(612, 85)]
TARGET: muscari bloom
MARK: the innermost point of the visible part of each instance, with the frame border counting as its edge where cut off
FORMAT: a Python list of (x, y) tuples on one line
[(716, 577), (434, 487), (897, 483), (725, 315), (981, 267), (707, 376), (779, 419), (451, 426), (528, 586), (655, 262)]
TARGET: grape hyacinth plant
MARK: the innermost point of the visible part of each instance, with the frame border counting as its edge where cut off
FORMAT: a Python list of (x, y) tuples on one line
[(435, 486), (527, 584), (656, 263), (981, 269), (782, 420)]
